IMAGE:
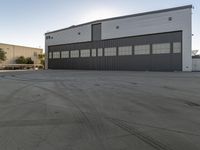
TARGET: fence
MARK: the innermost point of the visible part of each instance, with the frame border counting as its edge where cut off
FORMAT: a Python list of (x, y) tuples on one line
[(20, 66)]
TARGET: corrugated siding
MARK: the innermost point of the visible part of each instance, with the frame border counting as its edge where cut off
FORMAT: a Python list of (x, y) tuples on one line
[(158, 62)]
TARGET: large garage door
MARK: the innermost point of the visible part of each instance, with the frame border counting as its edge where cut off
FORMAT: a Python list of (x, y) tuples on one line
[(156, 52)]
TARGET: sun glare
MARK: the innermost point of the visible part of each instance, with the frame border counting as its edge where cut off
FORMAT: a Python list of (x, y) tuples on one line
[(98, 14)]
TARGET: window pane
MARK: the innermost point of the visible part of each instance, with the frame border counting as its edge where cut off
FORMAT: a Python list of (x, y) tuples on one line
[(161, 48), (85, 53), (75, 54), (100, 51), (94, 53), (65, 54), (125, 50), (142, 49), (56, 55), (177, 47), (110, 51)]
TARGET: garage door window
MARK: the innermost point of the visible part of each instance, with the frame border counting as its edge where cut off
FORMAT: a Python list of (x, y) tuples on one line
[(142, 49), (100, 51), (56, 55), (94, 53), (161, 48), (65, 54), (85, 53), (125, 50), (177, 47), (110, 51), (74, 54)]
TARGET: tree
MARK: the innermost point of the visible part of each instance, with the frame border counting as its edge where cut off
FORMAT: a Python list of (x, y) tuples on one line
[(29, 61), (41, 57), (195, 52), (23, 60), (2, 55)]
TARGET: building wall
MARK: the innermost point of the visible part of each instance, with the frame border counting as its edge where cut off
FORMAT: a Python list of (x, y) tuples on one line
[(134, 26), (155, 23), (13, 52), (74, 35)]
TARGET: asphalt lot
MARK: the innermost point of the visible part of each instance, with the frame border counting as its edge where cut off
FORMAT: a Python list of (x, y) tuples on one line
[(99, 110)]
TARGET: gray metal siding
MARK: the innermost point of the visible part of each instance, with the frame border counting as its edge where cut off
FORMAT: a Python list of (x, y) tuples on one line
[(151, 62), (122, 17)]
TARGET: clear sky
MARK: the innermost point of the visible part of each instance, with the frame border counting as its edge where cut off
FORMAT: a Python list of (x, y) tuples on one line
[(24, 22)]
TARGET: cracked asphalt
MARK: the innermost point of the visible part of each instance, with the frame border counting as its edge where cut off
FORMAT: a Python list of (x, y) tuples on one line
[(99, 110)]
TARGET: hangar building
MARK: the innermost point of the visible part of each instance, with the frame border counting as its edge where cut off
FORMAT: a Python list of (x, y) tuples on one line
[(151, 41)]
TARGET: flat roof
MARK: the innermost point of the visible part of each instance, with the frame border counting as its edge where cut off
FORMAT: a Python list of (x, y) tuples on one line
[(20, 46), (122, 17)]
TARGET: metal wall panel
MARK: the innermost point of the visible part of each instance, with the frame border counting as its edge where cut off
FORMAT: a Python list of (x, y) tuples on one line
[(151, 62)]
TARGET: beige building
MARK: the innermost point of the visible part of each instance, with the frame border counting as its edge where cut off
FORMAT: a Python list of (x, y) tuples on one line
[(14, 51)]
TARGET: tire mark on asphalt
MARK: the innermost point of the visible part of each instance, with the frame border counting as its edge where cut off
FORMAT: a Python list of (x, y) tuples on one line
[(44, 139), (39, 122), (26, 79), (20, 104), (140, 135), (92, 108), (11, 96), (87, 120), (155, 127), (14, 93), (90, 124), (153, 142), (127, 85), (10, 140), (130, 88)]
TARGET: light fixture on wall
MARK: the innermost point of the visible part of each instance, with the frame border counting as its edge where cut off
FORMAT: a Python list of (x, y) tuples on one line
[(170, 19)]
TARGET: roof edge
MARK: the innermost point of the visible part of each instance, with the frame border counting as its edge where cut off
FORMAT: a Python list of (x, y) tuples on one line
[(126, 16), (20, 46)]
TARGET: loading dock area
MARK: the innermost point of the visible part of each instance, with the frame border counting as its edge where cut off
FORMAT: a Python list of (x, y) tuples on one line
[(99, 110)]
